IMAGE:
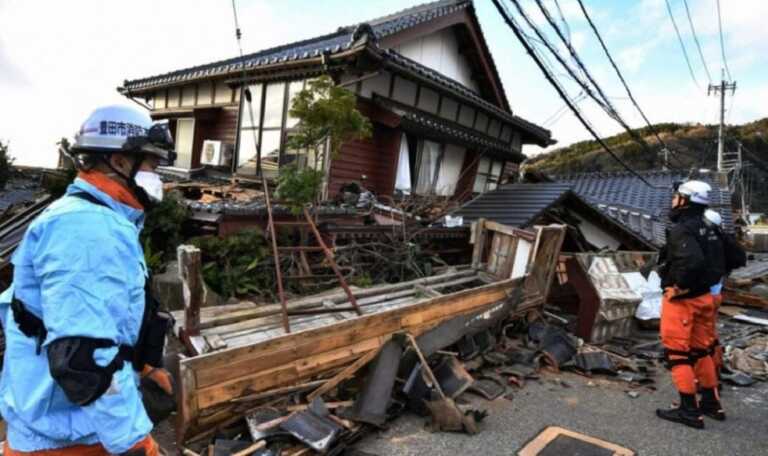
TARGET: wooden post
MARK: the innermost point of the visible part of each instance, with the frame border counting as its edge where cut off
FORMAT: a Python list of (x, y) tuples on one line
[(478, 238), (190, 273)]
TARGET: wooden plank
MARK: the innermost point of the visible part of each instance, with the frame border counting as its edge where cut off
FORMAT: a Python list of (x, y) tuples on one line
[(188, 410), (284, 374), (296, 357), (478, 228), (344, 374), (344, 332)]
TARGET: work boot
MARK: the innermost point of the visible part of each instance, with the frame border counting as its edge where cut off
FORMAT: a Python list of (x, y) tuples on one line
[(710, 404), (687, 412)]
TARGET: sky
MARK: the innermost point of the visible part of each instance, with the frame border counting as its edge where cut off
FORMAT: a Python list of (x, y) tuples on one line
[(61, 59)]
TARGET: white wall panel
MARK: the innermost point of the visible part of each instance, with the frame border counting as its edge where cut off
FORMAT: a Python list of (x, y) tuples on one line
[(428, 100), (204, 94), (378, 84), (440, 51), (405, 91)]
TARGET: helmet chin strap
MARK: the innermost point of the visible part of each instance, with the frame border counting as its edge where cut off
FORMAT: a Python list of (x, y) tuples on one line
[(130, 179)]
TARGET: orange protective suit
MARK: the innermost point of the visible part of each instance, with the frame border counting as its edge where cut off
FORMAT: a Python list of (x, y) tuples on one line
[(688, 331), (148, 445)]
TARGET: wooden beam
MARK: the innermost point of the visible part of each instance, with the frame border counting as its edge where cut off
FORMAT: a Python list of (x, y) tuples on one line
[(190, 273), (344, 374)]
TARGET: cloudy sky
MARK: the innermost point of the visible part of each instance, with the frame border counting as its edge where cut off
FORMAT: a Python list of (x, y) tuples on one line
[(60, 59)]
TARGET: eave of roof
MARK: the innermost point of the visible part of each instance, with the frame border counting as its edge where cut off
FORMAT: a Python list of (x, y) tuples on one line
[(400, 63), (462, 134)]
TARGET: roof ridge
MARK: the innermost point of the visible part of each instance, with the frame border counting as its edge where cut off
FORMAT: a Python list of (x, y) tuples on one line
[(245, 57), (340, 31), (412, 10)]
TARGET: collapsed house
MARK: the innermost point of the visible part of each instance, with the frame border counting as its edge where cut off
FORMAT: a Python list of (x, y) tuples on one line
[(605, 270), (241, 357), (424, 77)]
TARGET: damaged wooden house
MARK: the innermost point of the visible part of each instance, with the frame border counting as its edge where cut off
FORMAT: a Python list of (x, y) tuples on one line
[(424, 77)]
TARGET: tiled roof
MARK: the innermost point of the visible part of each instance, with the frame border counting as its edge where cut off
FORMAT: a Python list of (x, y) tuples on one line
[(517, 205), (629, 200), (521, 205), (338, 41)]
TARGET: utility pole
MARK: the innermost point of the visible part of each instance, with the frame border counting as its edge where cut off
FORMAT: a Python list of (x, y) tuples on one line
[(721, 88)]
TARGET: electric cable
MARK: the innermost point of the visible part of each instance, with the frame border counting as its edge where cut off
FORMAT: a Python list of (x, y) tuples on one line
[(512, 24), (682, 44), (722, 43), (623, 81), (696, 40), (606, 103)]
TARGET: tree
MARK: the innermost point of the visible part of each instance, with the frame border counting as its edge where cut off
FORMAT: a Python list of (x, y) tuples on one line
[(326, 113), (6, 161)]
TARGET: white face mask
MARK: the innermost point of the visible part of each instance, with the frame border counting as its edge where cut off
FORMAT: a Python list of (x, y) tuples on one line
[(151, 184)]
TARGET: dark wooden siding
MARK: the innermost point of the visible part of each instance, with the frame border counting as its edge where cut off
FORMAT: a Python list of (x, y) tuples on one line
[(217, 125), (376, 158)]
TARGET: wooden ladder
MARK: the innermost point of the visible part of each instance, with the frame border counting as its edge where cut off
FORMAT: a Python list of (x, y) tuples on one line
[(322, 246)]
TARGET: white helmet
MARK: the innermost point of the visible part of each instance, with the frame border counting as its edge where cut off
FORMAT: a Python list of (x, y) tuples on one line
[(120, 128), (695, 191), (713, 217)]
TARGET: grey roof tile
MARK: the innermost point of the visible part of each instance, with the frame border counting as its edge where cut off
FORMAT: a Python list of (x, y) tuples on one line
[(616, 192)]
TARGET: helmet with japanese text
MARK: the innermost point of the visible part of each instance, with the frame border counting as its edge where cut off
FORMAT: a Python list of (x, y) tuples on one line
[(124, 129)]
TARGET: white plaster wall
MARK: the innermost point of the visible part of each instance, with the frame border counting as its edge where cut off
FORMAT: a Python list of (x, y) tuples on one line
[(440, 51), (596, 235)]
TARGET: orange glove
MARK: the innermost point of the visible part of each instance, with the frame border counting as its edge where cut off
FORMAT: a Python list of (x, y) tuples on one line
[(160, 376)]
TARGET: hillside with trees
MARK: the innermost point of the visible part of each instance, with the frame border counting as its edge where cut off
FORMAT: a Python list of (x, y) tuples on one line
[(693, 146)]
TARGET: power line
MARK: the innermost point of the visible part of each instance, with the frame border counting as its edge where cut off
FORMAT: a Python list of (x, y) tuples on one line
[(516, 30), (722, 44), (696, 39), (682, 45), (623, 81), (562, 19), (611, 110)]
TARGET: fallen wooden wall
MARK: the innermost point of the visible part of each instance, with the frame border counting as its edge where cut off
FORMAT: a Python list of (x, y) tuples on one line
[(209, 383)]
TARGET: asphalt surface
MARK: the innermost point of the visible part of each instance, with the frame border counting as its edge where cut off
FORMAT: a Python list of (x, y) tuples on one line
[(602, 409)]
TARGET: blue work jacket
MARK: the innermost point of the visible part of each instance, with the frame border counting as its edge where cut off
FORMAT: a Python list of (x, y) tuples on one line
[(80, 268)]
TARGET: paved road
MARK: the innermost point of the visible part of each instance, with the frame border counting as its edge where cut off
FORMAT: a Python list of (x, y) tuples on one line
[(604, 411)]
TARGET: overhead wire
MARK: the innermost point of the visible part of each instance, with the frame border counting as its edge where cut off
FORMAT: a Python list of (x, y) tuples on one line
[(607, 105), (696, 40), (722, 43), (516, 29), (623, 81), (682, 44)]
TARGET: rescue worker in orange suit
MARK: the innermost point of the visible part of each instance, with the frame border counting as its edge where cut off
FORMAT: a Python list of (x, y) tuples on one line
[(82, 372), (691, 262)]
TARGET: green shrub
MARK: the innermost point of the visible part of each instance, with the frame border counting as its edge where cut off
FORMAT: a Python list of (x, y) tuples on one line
[(237, 265)]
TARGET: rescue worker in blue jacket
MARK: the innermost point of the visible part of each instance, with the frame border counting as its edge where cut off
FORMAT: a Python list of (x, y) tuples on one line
[(80, 332)]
